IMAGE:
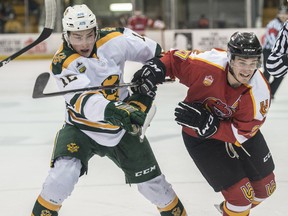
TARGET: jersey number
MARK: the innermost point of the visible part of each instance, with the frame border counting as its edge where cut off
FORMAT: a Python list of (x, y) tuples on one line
[(66, 80)]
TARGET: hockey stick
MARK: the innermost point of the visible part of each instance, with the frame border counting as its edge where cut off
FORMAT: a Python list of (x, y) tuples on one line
[(50, 10), (149, 117), (42, 80)]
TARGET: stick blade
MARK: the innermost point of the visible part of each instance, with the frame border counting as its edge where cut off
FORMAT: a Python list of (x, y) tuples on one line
[(40, 85)]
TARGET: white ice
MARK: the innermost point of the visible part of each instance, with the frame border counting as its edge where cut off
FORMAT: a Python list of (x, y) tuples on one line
[(28, 127)]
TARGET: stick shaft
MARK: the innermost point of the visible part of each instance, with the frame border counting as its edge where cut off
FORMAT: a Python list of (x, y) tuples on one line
[(50, 9), (42, 80)]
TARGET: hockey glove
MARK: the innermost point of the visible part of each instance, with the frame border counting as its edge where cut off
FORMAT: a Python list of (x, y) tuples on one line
[(197, 117), (123, 115), (151, 74)]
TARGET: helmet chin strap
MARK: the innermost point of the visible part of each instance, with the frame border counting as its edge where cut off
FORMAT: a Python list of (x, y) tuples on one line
[(231, 71)]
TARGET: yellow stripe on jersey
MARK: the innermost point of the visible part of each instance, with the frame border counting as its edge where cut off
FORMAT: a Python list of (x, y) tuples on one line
[(237, 143), (70, 59), (254, 103), (142, 106), (107, 38), (95, 56), (79, 101), (91, 124), (48, 205)]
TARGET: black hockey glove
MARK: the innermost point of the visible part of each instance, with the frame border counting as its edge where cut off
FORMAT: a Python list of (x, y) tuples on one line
[(151, 74), (197, 117), (123, 115)]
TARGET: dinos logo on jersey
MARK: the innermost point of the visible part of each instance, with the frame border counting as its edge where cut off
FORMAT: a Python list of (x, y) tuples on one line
[(218, 107), (58, 58), (81, 67)]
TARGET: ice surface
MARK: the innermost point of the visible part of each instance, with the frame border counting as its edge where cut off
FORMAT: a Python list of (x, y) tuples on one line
[(28, 127)]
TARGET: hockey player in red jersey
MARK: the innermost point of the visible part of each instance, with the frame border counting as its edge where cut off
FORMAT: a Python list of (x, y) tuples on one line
[(226, 104), (139, 22)]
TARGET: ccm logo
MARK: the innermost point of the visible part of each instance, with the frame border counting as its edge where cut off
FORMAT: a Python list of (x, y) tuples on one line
[(266, 158), (146, 171)]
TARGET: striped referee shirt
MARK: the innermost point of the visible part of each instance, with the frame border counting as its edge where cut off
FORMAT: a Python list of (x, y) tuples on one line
[(277, 62), (271, 33)]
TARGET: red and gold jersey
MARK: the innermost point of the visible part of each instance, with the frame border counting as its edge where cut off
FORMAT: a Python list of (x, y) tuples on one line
[(242, 110), (139, 23)]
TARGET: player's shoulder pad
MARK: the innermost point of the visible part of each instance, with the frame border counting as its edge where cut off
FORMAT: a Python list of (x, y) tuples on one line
[(63, 57), (260, 92), (106, 34), (108, 30), (215, 56)]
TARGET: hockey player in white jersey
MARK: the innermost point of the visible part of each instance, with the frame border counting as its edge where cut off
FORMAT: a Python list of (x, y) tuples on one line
[(102, 122)]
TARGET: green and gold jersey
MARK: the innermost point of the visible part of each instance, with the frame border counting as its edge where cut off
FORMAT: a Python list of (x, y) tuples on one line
[(105, 66)]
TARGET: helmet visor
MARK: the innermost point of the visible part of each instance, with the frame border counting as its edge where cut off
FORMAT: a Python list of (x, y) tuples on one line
[(78, 38)]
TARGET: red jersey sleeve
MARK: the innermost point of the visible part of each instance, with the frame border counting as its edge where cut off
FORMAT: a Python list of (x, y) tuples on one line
[(176, 65)]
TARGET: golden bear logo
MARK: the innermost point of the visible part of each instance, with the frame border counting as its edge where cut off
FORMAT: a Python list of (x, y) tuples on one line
[(46, 213), (72, 147), (111, 94)]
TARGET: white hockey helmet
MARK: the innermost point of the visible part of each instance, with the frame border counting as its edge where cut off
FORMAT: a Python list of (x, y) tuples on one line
[(78, 18)]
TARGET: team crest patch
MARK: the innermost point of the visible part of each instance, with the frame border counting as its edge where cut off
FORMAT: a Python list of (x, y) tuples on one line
[(248, 191), (72, 147), (176, 212), (46, 213), (208, 80), (58, 58), (264, 107), (270, 188), (81, 67)]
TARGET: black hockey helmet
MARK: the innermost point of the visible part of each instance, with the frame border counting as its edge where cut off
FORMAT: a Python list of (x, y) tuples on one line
[(245, 44)]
